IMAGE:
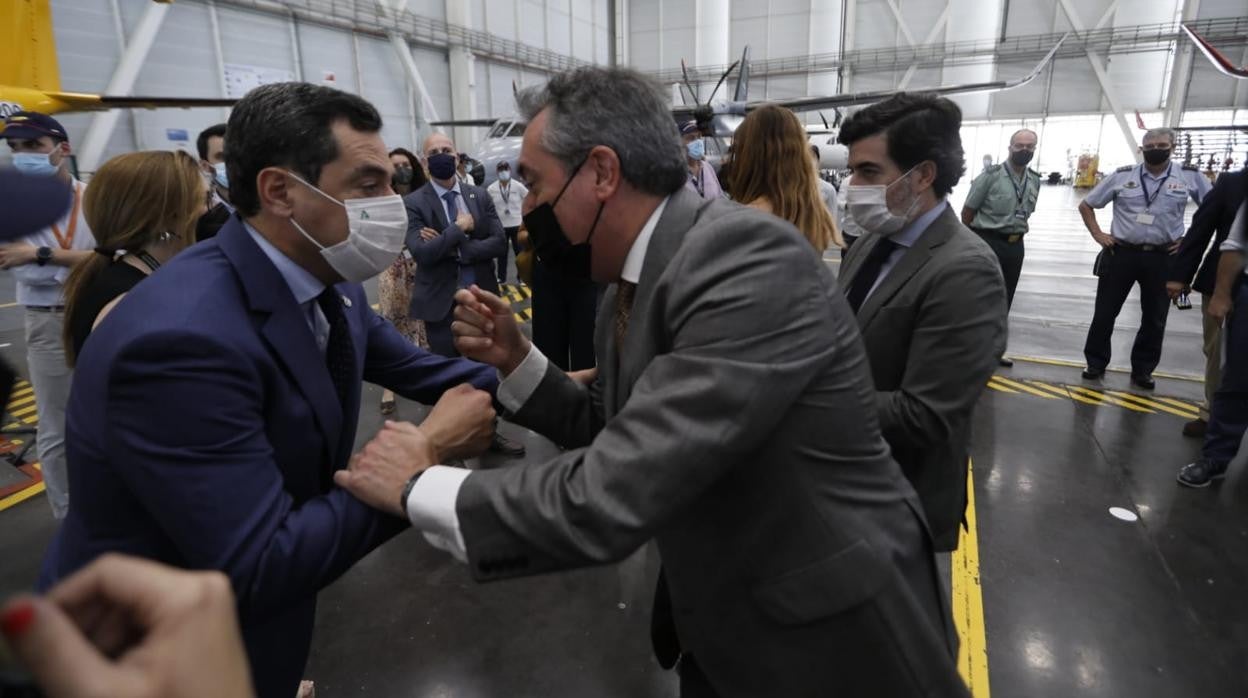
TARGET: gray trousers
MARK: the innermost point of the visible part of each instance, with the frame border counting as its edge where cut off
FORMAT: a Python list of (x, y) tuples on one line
[(50, 377)]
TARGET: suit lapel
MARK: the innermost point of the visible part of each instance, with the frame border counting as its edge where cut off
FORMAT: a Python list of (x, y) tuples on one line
[(434, 204), (912, 260), (284, 327)]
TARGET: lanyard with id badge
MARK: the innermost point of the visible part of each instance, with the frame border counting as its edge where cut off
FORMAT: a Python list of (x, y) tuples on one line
[(1147, 217), (1020, 191)]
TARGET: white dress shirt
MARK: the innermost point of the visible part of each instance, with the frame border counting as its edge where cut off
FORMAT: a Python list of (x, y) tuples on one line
[(44, 286), (507, 201), (1237, 239), (431, 504)]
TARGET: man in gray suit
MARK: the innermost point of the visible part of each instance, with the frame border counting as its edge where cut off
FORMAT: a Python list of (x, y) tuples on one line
[(731, 420), (928, 294)]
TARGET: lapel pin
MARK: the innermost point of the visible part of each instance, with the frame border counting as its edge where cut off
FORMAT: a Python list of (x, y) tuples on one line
[(346, 301)]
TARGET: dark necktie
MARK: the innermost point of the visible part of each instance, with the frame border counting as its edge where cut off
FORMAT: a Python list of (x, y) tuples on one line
[(869, 272), (466, 276), (624, 293), (339, 350)]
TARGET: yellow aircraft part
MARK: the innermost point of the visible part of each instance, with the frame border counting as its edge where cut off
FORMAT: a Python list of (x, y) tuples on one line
[(29, 58), (46, 102)]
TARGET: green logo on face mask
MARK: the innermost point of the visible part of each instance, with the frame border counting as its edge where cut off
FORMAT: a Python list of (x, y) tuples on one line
[(364, 215)]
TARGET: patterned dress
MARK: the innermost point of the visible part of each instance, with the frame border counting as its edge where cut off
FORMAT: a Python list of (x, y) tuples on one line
[(394, 289)]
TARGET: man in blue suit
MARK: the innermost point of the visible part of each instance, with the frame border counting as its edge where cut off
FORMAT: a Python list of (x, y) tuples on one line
[(454, 234), (212, 406)]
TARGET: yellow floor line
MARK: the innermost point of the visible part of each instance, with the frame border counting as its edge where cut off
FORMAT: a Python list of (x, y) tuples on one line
[(1024, 387), (18, 402), (1110, 400), (23, 411), (19, 497), (1060, 391), (998, 386), (8, 305), (23, 392), (1153, 404), (968, 600), (1179, 404)]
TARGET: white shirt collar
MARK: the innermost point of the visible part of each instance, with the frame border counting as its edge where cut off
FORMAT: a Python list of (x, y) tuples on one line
[(637, 253)]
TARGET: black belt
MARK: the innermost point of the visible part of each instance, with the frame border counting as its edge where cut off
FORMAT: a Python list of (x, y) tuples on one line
[(1008, 237), (1140, 248), (46, 308)]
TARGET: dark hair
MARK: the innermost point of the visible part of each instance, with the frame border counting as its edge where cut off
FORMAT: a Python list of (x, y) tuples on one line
[(201, 143), (419, 178), (919, 126), (619, 108), (287, 124)]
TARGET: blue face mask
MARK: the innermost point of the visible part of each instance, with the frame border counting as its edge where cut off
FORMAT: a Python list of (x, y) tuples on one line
[(35, 164), (218, 174), (504, 175), (696, 149)]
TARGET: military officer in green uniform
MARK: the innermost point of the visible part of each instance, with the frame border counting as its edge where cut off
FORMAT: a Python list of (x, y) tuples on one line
[(1001, 200)]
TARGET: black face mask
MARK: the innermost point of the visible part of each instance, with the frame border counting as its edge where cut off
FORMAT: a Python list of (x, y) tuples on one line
[(1021, 157), (1156, 156), (551, 244), (403, 176)]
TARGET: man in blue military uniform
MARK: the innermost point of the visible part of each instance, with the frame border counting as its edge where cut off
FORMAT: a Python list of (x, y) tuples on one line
[(1149, 200), (1001, 200)]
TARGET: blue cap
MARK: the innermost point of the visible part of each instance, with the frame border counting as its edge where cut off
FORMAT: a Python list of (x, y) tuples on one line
[(32, 125), (30, 204), (689, 127)]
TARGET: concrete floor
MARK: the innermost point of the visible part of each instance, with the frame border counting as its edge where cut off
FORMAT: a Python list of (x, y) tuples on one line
[(1077, 602)]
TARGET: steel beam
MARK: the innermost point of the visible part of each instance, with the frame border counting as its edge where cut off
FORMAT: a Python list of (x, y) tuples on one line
[(1098, 69)]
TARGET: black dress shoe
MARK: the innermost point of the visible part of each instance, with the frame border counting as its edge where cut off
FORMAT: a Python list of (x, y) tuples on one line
[(1092, 374), (507, 447), (1007, 363), (1196, 429), (1143, 382)]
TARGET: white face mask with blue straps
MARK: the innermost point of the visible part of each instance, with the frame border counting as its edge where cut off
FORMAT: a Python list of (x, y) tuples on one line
[(376, 226)]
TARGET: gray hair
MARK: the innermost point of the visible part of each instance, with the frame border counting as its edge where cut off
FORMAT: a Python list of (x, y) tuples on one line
[(615, 107), (1169, 134)]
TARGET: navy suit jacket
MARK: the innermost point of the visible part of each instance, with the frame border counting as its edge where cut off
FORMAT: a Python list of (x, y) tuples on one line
[(1211, 221), (203, 430), (438, 260)]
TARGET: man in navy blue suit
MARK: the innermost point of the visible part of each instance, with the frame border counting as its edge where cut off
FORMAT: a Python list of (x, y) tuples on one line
[(213, 405), (455, 235)]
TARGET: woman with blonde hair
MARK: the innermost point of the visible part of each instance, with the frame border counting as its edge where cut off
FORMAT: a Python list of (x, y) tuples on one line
[(771, 170), (143, 208)]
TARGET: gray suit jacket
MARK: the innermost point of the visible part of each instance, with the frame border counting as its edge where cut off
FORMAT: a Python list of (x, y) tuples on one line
[(736, 427), (934, 330)]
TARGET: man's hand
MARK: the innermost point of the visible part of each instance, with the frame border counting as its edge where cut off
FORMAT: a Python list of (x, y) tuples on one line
[(1220, 306), (122, 626), (1174, 288), (464, 221), (584, 377), (461, 424), (428, 233), (485, 330), (1106, 241), (378, 474), (16, 254), (1174, 246)]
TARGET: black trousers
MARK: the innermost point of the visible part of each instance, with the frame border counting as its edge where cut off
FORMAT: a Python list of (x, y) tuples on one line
[(438, 332), (502, 261), (1228, 416), (1010, 255), (563, 318), (1121, 269)]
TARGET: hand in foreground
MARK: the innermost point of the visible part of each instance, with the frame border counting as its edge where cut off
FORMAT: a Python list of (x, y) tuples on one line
[(128, 627), (16, 254), (464, 221), (1174, 246), (584, 377), (461, 424), (485, 330), (377, 474), (427, 233), (1106, 241), (1220, 306), (1174, 288)]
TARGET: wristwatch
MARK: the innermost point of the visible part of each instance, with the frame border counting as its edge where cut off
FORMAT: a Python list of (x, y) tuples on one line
[(407, 491), (43, 255)]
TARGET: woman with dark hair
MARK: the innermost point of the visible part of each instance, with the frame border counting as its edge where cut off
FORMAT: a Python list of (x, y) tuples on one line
[(771, 170), (142, 208), (394, 286)]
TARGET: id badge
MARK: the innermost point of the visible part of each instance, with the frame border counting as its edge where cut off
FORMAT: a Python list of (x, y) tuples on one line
[(1020, 214), (1144, 218)]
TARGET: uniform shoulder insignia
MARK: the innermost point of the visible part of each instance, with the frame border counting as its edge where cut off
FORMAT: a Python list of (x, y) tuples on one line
[(1125, 168), (1193, 168)]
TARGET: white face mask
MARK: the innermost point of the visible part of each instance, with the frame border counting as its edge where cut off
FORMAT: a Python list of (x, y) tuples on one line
[(377, 227), (868, 205)]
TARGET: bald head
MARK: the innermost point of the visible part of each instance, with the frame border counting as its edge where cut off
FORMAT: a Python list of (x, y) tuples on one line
[(438, 143)]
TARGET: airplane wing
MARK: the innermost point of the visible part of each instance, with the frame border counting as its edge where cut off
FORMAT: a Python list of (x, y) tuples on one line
[(1220, 61), (845, 100), (84, 102)]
